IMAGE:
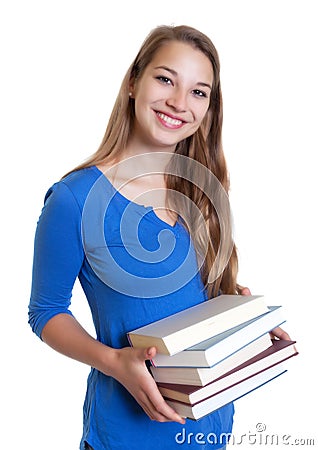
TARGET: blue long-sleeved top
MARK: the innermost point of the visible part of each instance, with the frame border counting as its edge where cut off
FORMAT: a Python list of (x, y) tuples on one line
[(134, 269)]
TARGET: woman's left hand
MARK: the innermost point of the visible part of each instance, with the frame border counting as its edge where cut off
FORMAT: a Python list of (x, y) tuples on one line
[(279, 333), (276, 333)]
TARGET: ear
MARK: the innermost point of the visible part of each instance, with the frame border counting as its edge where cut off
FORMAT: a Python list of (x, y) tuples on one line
[(132, 88)]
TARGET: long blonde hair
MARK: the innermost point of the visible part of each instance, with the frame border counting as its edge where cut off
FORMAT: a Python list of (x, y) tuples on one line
[(204, 146)]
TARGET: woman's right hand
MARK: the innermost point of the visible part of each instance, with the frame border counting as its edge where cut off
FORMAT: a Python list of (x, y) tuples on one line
[(126, 365), (130, 370)]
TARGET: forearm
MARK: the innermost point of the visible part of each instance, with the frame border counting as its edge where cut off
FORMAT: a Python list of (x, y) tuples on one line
[(127, 365), (64, 334)]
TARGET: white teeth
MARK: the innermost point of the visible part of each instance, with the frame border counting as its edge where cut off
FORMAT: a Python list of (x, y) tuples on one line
[(169, 119)]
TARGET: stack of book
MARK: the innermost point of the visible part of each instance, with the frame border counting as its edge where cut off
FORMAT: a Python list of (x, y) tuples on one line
[(215, 352)]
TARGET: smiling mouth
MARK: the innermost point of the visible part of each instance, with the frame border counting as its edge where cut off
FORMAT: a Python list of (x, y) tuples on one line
[(169, 120)]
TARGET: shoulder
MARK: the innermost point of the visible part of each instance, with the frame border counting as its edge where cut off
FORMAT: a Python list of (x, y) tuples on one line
[(75, 187)]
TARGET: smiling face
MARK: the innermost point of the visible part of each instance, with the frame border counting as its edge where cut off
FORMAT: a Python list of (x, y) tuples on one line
[(171, 97)]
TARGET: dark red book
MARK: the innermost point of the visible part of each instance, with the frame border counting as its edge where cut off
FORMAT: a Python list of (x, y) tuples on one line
[(226, 396), (278, 352)]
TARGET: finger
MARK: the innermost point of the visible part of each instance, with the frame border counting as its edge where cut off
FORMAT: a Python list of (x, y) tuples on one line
[(154, 412), (241, 290), (142, 398), (148, 394), (155, 402), (164, 413), (161, 407), (151, 412), (147, 406), (280, 334), (150, 352), (245, 291), (146, 353)]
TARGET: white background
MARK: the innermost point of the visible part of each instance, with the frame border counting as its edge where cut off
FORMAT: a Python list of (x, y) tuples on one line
[(61, 66)]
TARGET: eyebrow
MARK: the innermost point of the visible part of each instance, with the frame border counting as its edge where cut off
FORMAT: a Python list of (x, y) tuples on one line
[(173, 72)]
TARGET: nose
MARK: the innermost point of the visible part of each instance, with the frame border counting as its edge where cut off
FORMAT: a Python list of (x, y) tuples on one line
[(178, 100)]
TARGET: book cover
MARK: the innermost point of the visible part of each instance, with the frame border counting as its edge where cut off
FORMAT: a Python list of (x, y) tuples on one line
[(279, 352), (213, 350), (198, 323)]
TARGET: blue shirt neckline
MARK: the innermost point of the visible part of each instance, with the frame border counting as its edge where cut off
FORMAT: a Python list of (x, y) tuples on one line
[(149, 209)]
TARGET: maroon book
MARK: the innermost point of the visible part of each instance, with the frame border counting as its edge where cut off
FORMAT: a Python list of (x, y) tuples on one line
[(228, 395), (280, 350)]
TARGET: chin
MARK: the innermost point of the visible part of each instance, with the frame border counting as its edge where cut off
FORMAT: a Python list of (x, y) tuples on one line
[(169, 142)]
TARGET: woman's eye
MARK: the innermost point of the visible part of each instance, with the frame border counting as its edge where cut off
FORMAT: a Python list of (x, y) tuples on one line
[(164, 80), (199, 93)]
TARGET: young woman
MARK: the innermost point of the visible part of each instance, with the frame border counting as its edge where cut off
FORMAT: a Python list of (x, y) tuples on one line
[(141, 227)]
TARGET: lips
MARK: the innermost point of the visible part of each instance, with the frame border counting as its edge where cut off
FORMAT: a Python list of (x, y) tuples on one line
[(169, 121)]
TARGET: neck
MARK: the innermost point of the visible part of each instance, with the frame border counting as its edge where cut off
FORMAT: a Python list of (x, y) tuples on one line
[(139, 144), (140, 159), (141, 165)]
